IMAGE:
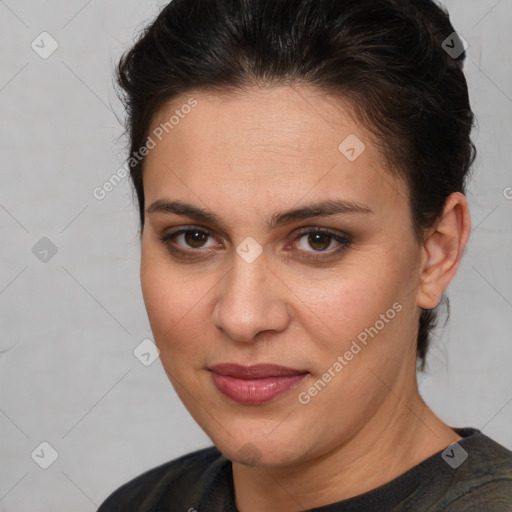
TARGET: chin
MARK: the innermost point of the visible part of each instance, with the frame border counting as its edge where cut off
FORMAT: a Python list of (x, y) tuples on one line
[(259, 451)]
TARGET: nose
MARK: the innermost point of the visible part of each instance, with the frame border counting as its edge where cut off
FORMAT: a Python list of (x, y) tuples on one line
[(252, 299)]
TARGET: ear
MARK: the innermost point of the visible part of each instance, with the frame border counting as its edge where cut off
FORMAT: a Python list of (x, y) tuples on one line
[(442, 250)]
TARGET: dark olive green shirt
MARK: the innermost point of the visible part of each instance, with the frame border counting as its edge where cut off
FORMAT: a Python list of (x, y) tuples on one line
[(472, 475)]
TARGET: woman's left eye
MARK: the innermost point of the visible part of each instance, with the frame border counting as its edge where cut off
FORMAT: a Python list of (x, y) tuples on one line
[(319, 239)]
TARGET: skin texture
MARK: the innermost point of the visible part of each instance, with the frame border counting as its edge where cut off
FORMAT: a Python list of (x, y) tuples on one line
[(244, 157)]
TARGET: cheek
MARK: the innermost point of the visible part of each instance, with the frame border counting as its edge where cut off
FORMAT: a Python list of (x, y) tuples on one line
[(358, 341), (175, 302), (336, 307)]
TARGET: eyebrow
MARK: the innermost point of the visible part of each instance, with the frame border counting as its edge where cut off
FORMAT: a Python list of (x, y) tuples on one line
[(308, 211)]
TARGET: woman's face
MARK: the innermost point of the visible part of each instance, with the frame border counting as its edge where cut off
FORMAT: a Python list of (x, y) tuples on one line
[(254, 286)]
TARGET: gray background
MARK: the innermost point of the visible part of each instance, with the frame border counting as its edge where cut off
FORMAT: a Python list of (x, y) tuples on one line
[(68, 375)]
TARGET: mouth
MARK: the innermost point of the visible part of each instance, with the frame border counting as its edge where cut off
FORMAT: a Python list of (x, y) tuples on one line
[(257, 371), (257, 384)]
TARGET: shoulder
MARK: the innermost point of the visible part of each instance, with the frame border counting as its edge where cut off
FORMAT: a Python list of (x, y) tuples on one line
[(483, 479), (180, 482)]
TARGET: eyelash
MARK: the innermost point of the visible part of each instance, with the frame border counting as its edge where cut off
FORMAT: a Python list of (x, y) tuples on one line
[(343, 240)]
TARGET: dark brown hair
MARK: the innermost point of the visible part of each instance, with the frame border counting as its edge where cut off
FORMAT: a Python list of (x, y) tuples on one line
[(386, 56)]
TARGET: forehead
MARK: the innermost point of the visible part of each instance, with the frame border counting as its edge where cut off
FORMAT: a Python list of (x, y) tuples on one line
[(276, 140), (282, 119)]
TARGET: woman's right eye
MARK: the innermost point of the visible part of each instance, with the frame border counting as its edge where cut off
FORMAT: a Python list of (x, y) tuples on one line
[(193, 238)]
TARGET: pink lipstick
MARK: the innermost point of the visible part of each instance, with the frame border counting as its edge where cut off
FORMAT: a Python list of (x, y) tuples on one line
[(257, 384)]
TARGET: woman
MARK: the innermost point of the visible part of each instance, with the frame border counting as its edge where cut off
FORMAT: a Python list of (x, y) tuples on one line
[(300, 169)]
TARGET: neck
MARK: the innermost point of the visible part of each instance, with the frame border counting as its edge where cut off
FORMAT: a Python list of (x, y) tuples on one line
[(401, 434)]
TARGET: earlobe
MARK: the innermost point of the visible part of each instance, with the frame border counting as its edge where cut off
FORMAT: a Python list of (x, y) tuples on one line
[(442, 250)]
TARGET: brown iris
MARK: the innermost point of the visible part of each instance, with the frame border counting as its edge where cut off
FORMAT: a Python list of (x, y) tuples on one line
[(316, 238), (195, 237)]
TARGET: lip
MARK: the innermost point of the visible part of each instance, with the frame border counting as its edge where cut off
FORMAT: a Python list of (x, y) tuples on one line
[(256, 371), (257, 384)]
